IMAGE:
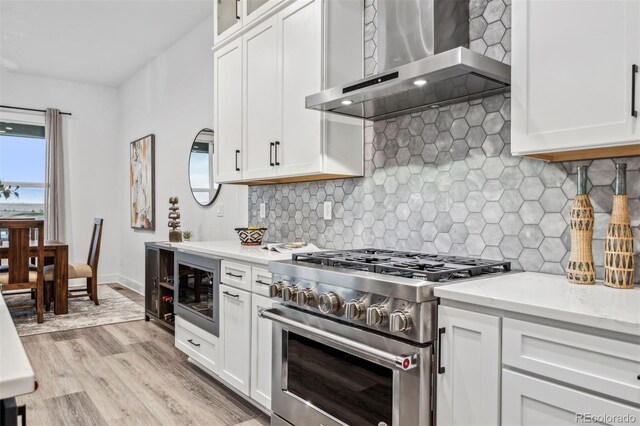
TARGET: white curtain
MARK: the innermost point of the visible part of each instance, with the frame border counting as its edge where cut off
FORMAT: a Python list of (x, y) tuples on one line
[(54, 189)]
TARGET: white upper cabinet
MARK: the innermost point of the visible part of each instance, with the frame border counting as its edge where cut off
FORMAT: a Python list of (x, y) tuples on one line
[(572, 81), (227, 109), (300, 59), (254, 9), (227, 18), (230, 16), (261, 118), (295, 49)]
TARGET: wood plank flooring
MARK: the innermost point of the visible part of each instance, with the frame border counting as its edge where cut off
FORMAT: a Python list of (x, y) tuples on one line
[(126, 374)]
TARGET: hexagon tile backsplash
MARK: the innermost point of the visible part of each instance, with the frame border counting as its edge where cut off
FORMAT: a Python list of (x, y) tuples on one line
[(445, 181)]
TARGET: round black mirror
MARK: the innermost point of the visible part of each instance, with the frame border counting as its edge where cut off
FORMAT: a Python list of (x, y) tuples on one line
[(201, 162)]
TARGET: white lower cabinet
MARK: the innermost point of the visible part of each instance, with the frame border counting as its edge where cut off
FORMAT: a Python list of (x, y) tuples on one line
[(261, 338), (468, 380), (530, 401), (235, 335), (201, 346)]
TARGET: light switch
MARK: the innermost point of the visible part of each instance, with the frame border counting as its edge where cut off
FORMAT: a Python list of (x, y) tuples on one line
[(263, 210), (220, 210), (327, 210)]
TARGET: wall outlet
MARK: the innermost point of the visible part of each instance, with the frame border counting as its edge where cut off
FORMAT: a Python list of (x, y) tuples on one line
[(263, 210), (327, 210), (220, 210)]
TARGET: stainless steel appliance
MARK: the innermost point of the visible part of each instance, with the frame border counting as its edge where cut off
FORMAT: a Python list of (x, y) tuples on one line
[(196, 284), (424, 61), (355, 332)]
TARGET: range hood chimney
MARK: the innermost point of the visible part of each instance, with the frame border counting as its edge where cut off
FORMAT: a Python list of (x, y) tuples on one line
[(422, 50)]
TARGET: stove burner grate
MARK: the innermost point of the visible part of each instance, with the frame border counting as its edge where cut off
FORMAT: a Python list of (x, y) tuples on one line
[(430, 267)]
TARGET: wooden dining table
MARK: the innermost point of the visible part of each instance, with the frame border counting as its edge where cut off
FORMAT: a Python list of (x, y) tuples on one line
[(55, 253)]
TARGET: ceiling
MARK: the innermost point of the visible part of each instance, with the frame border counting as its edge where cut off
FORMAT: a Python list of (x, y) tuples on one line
[(92, 41)]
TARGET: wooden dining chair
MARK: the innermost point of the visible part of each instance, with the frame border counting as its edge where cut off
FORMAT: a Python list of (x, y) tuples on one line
[(19, 276), (87, 270)]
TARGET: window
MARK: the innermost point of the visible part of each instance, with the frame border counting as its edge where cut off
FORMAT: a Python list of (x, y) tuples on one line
[(22, 163)]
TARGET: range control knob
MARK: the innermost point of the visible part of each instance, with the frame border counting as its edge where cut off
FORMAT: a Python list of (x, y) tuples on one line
[(355, 309), (275, 289), (289, 293), (306, 297), (377, 315), (399, 321), (329, 303)]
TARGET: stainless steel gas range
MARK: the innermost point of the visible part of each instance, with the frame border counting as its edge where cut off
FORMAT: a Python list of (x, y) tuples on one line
[(355, 335)]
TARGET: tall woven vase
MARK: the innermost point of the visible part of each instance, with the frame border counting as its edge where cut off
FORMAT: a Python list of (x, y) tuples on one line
[(581, 269), (618, 246)]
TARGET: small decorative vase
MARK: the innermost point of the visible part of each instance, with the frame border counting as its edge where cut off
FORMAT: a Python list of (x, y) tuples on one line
[(581, 269), (618, 245)]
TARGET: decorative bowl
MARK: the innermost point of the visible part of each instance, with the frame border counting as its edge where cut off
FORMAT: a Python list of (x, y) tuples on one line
[(250, 236)]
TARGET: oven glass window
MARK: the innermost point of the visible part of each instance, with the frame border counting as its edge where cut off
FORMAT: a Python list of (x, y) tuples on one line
[(195, 290), (353, 390)]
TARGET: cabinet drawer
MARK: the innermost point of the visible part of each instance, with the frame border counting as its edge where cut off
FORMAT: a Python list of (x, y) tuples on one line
[(529, 401), (198, 344), (603, 365), (260, 281), (235, 274)]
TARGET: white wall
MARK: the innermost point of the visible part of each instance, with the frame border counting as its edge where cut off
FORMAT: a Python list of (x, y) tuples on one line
[(172, 97), (91, 142)]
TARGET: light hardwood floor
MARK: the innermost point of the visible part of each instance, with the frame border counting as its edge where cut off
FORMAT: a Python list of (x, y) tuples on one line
[(127, 373)]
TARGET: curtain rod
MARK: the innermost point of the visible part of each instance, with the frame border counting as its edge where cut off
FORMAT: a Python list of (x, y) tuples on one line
[(30, 109)]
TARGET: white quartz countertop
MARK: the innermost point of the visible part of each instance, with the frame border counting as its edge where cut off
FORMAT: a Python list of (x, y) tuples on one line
[(232, 250), (16, 374), (553, 297)]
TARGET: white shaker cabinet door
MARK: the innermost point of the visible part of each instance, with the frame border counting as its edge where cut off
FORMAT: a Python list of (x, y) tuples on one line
[(300, 148), (468, 370), (261, 342), (529, 401), (235, 335), (227, 123), (261, 118), (571, 73)]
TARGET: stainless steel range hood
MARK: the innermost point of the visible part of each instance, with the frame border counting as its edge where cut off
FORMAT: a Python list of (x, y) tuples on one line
[(422, 45)]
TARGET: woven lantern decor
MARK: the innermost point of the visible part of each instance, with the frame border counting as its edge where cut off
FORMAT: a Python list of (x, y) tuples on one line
[(581, 269), (618, 246)]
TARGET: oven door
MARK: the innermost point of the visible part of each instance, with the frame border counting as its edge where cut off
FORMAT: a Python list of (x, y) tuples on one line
[(328, 373)]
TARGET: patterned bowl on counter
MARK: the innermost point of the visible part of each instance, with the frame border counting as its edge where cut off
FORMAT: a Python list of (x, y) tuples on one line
[(250, 236)]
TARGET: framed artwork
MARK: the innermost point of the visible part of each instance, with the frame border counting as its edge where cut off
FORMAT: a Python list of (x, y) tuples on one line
[(142, 183)]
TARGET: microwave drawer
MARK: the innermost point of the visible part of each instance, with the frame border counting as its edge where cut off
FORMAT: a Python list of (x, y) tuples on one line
[(236, 275), (198, 344), (591, 362)]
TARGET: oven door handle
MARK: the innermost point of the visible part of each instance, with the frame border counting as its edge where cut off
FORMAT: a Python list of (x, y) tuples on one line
[(403, 362)]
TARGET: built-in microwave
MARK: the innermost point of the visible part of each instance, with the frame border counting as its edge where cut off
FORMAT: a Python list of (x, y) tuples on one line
[(196, 282)]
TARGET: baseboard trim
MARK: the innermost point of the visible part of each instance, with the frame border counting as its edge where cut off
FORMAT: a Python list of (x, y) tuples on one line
[(129, 283), (108, 279)]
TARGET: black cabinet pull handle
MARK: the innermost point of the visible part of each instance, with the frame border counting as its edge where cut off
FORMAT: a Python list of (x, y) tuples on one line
[(237, 12), (234, 275), (194, 344), (277, 147), (261, 282), (237, 153), (634, 73), (271, 145), (440, 367), (22, 412), (237, 296)]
